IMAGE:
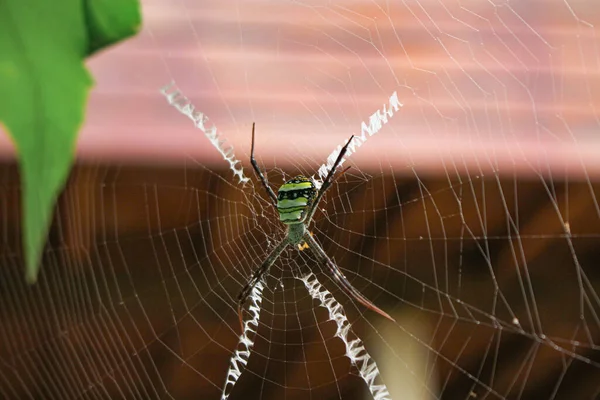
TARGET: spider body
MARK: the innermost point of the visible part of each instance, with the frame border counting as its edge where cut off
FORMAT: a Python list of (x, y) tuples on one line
[(294, 199), (296, 233), (296, 202)]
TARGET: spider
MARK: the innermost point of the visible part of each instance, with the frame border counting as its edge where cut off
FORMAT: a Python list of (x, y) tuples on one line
[(296, 203)]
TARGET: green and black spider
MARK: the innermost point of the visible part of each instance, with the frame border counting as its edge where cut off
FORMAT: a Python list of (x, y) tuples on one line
[(296, 203)]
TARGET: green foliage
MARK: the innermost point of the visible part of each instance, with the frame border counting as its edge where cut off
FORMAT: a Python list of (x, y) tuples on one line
[(44, 87)]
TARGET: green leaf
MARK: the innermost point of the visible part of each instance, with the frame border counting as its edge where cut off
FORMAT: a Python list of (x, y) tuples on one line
[(44, 87), (109, 21)]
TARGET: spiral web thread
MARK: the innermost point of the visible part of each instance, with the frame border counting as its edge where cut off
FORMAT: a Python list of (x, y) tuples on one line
[(500, 107)]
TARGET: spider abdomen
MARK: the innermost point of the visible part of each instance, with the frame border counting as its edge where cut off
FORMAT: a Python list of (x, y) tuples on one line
[(294, 199)]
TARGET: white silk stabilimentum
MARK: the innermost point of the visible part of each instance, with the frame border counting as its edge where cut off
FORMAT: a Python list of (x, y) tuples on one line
[(376, 121), (185, 106), (355, 350), (240, 357)]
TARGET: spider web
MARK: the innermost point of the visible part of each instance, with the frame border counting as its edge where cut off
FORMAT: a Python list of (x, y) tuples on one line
[(470, 214)]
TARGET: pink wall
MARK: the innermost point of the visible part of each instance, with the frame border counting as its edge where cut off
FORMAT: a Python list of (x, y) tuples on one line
[(484, 87)]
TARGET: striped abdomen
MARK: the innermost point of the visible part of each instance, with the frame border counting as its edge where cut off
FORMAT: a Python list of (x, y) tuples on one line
[(294, 199)]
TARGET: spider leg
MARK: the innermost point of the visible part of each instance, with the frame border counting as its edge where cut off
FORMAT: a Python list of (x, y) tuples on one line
[(257, 276), (260, 174), (341, 279), (328, 181)]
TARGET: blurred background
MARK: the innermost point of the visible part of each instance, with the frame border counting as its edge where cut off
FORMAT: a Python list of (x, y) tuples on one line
[(471, 215)]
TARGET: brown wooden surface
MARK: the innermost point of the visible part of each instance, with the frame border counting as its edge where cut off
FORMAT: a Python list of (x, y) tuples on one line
[(143, 260)]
